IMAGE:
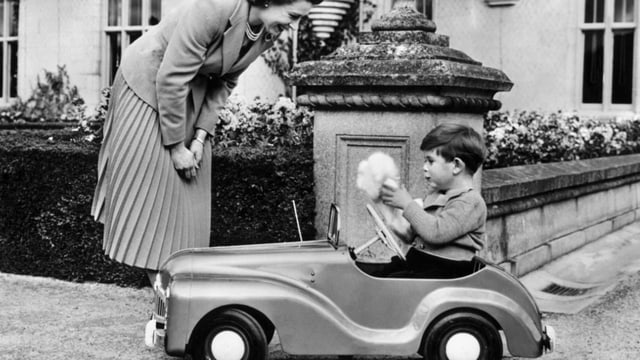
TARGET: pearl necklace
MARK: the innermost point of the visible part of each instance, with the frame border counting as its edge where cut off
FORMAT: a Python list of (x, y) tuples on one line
[(251, 35)]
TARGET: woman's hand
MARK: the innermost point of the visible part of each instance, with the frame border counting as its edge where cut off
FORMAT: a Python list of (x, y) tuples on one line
[(197, 148), (183, 161), (395, 196)]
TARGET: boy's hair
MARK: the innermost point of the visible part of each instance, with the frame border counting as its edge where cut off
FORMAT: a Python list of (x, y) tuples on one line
[(456, 141)]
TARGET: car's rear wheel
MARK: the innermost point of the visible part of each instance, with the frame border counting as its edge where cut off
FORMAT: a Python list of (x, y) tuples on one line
[(463, 336), (231, 335)]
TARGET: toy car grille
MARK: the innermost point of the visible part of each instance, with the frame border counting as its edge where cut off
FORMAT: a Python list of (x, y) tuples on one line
[(160, 305)]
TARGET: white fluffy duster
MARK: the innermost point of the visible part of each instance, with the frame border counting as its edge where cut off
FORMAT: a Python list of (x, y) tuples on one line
[(378, 169)]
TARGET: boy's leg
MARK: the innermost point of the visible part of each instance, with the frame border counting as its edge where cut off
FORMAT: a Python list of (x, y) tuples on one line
[(425, 265)]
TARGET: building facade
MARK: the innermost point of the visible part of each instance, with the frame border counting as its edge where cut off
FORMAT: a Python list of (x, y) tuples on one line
[(570, 55), (88, 37)]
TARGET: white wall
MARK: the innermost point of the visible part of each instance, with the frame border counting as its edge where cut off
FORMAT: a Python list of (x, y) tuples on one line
[(60, 32), (70, 32), (534, 42)]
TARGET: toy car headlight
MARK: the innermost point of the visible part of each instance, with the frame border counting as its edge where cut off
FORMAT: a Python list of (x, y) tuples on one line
[(157, 286)]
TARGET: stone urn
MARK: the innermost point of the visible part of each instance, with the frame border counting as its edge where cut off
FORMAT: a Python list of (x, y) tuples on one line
[(385, 93)]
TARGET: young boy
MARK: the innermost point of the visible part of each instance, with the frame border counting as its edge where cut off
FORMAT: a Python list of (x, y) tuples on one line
[(450, 228)]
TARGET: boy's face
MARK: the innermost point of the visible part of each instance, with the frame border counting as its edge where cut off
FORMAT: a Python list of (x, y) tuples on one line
[(438, 172)]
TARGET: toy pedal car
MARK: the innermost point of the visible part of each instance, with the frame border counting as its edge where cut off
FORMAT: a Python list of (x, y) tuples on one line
[(225, 303)]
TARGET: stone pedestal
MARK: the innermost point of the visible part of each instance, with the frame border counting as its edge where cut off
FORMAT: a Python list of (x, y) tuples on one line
[(385, 93)]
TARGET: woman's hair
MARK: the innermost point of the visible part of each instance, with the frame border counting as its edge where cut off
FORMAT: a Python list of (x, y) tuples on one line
[(457, 141), (279, 2)]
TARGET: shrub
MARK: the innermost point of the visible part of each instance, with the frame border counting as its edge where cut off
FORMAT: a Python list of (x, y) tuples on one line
[(90, 128), (47, 230), (529, 137), (260, 124), (252, 193), (54, 99)]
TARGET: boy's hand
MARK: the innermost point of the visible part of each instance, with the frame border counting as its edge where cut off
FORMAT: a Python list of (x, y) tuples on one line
[(395, 196)]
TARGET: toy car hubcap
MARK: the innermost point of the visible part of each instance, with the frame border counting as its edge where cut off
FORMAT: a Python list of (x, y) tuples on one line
[(462, 346), (227, 345)]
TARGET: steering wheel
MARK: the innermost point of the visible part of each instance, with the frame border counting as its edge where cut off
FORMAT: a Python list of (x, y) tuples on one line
[(384, 234)]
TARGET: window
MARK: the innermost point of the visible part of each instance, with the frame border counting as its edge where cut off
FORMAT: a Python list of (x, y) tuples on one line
[(425, 7), (126, 21), (9, 14), (609, 35)]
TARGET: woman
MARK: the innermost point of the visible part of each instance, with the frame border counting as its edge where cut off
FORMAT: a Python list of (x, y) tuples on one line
[(154, 167)]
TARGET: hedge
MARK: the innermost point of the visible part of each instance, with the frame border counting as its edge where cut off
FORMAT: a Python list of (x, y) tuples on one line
[(530, 137), (263, 160), (47, 180)]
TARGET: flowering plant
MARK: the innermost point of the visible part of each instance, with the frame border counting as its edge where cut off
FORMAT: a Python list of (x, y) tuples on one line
[(529, 137), (54, 99), (90, 127), (261, 124)]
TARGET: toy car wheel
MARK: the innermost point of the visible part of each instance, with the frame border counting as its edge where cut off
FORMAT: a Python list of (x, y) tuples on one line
[(231, 335), (463, 336), (269, 330)]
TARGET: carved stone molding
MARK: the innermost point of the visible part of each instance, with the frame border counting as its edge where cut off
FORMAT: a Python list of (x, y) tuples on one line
[(402, 52), (409, 102)]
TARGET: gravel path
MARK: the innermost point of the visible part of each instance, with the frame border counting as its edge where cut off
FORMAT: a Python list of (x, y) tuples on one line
[(607, 330), (42, 318)]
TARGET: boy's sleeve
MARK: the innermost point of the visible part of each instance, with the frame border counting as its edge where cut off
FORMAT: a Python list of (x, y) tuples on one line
[(459, 217)]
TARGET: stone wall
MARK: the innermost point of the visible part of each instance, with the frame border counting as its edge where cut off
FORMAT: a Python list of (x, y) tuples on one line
[(540, 212)]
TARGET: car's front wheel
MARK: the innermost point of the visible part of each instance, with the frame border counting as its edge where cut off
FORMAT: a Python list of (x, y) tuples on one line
[(463, 336), (231, 335)]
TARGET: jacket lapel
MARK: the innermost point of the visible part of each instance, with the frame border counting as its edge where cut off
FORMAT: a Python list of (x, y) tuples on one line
[(254, 51), (233, 36)]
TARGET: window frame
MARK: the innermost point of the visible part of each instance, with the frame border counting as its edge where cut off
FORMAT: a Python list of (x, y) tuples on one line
[(5, 96), (123, 29), (609, 27), (433, 8), (383, 7)]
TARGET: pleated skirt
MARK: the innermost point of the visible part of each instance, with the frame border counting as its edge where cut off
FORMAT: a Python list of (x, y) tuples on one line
[(148, 210)]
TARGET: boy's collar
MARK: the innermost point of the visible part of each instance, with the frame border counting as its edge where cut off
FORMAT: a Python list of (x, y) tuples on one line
[(455, 192), (439, 199)]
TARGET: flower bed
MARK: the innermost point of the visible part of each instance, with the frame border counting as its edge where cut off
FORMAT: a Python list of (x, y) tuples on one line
[(520, 138)]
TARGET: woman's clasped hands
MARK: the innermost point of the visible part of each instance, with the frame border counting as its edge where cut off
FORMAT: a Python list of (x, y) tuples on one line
[(187, 161)]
